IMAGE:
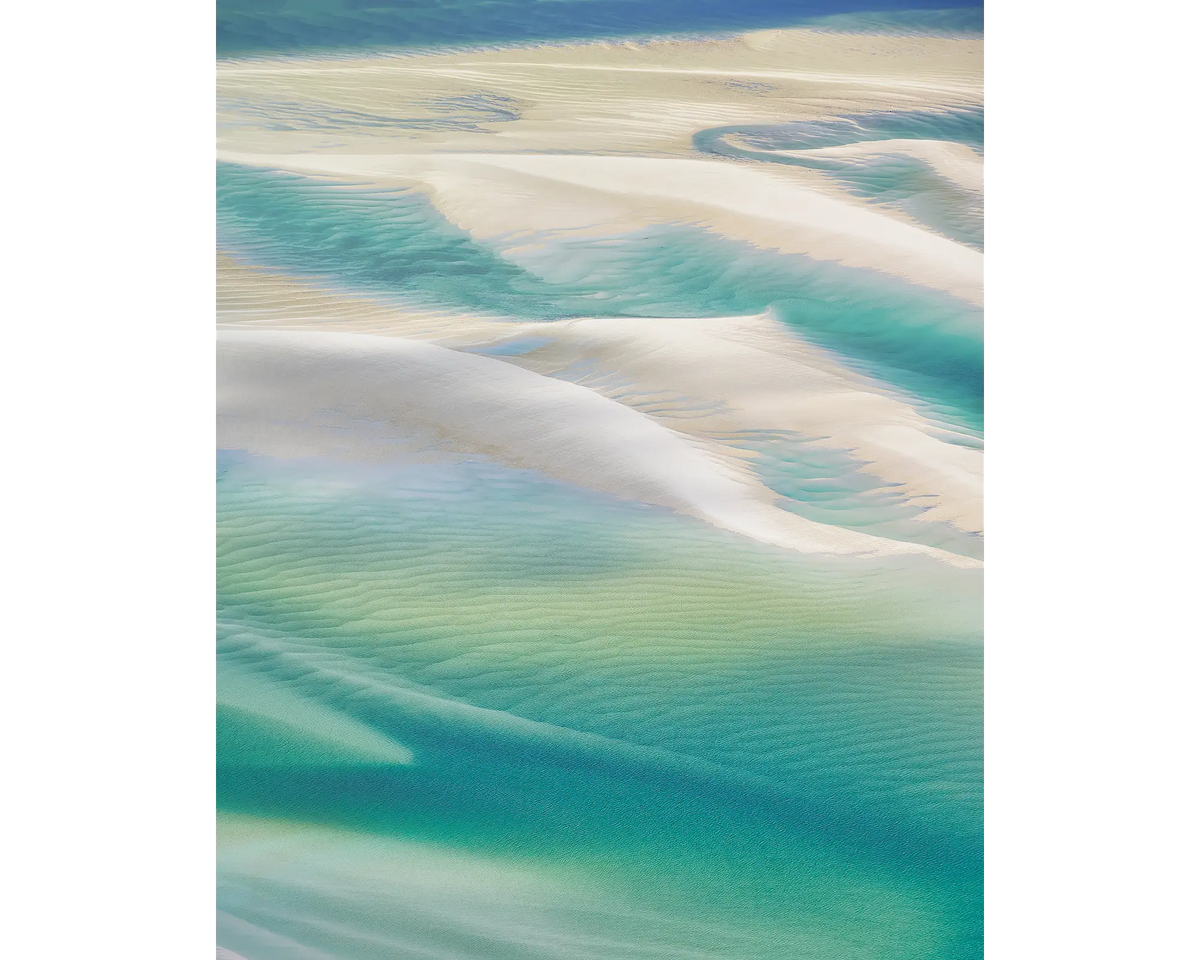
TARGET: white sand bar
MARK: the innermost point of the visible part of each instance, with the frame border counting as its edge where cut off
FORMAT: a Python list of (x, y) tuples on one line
[(727, 375), (303, 394)]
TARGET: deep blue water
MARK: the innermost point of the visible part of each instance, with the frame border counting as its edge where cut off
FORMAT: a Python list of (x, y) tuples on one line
[(247, 27)]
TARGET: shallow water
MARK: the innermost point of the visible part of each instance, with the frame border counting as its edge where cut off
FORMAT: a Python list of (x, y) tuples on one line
[(576, 677)]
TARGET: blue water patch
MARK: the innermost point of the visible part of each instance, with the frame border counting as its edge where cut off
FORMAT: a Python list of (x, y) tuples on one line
[(395, 244), (952, 22), (248, 27)]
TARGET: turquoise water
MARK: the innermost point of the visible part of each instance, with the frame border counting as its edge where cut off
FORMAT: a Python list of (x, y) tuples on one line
[(396, 244), (577, 677)]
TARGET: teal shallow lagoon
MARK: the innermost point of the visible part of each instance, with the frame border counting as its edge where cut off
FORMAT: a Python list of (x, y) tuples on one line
[(827, 731)]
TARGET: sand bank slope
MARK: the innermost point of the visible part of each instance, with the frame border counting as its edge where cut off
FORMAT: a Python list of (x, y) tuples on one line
[(287, 393), (727, 375)]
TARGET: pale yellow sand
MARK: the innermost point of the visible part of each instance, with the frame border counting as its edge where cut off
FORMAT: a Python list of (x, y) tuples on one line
[(604, 97)]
